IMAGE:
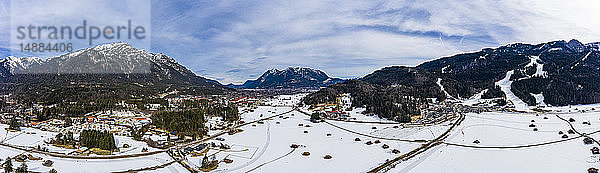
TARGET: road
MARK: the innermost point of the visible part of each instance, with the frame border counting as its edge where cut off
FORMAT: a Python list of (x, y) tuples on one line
[(392, 163)]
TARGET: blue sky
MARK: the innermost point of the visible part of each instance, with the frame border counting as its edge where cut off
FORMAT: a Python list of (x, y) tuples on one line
[(232, 41)]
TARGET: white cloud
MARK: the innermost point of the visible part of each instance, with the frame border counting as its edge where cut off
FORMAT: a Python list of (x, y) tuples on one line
[(237, 40)]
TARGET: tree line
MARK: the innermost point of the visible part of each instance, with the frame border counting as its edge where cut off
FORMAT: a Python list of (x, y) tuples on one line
[(395, 103), (191, 121), (97, 139)]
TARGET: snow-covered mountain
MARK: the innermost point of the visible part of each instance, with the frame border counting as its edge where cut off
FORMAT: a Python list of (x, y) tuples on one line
[(557, 72), (114, 58), (115, 66), (11, 64), (553, 73), (290, 78)]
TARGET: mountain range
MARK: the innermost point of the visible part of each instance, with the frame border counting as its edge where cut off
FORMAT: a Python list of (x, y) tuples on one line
[(290, 78), (553, 73)]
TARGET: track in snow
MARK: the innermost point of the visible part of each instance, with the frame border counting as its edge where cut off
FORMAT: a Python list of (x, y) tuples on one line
[(260, 153), (280, 157)]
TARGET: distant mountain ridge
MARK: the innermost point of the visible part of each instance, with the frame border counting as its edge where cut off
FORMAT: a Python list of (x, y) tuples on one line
[(119, 67), (290, 78)]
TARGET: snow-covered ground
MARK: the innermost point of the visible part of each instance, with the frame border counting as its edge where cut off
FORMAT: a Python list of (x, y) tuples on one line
[(388, 130), (266, 142), (266, 147), (93, 165), (539, 67), (574, 108), (285, 100), (32, 137), (510, 129), (357, 115), (475, 98)]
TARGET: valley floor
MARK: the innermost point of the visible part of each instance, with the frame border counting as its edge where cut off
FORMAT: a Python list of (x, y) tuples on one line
[(507, 143), (266, 147)]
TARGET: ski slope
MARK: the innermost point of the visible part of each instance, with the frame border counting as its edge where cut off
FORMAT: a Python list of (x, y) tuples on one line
[(505, 86)]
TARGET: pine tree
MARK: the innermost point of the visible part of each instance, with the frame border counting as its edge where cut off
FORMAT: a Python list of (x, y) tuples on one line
[(205, 162), (315, 116), (8, 167), (22, 168), (68, 122), (14, 124), (59, 138)]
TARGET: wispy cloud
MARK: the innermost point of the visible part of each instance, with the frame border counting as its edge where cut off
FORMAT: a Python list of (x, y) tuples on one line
[(232, 41), (351, 39)]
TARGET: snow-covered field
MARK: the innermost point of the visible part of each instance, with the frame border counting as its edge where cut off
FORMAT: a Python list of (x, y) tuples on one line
[(573, 108), (269, 141), (357, 115), (265, 146), (32, 137), (93, 165), (285, 100), (510, 129)]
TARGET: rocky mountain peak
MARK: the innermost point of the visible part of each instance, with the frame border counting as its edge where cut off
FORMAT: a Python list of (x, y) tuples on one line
[(291, 77), (113, 58)]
